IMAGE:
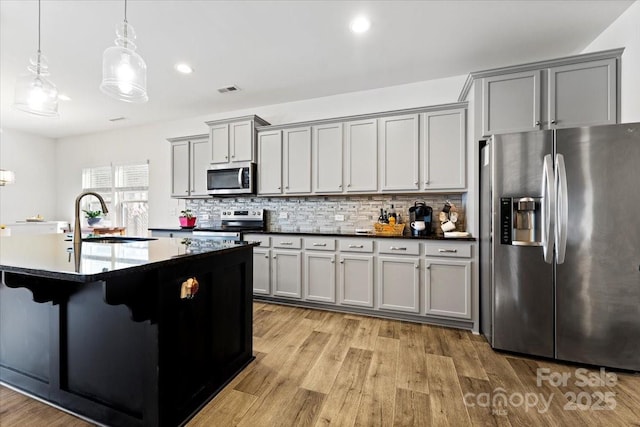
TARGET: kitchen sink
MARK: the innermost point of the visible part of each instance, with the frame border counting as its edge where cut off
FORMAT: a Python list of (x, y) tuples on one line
[(114, 239)]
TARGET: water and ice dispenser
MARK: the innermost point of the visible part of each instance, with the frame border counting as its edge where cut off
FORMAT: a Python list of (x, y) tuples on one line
[(521, 221)]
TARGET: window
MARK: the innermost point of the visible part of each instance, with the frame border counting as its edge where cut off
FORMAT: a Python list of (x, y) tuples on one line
[(125, 189)]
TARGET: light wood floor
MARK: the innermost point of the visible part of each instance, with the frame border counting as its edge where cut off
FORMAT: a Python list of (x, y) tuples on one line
[(315, 368)]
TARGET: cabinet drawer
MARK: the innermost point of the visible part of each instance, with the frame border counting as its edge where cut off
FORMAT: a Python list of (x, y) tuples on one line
[(320, 244), (265, 241), (287, 242), (398, 247), (356, 245), (455, 250)]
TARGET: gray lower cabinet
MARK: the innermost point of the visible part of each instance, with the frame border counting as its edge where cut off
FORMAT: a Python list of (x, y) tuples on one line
[(356, 280), (399, 284), (447, 280), (286, 273), (320, 276), (261, 271)]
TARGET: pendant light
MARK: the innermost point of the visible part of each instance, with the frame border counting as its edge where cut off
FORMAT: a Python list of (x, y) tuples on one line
[(35, 94), (124, 72), (7, 177)]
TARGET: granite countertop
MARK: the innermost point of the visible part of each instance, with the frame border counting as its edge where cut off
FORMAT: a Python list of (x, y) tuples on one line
[(351, 233), (53, 256)]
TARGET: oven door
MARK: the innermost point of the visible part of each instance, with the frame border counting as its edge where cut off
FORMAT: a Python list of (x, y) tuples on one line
[(231, 179)]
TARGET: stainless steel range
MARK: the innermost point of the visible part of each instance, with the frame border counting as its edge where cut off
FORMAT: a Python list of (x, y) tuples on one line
[(232, 224)]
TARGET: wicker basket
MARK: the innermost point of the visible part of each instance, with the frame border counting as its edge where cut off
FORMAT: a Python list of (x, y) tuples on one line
[(388, 229)]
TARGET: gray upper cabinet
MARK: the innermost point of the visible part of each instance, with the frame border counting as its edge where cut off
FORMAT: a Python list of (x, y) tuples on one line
[(219, 137), (399, 145), (582, 90), (270, 162), (443, 148), (234, 140), (582, 94), (296, 174), (511, 103), (327, 158), (189, 163), (361, 156)]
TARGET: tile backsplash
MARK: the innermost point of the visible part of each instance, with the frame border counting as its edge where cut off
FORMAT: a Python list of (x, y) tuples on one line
[(317, 214)]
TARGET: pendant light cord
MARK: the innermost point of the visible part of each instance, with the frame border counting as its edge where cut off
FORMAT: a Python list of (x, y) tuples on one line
[(125, 24), (39, 52), (125, 11)]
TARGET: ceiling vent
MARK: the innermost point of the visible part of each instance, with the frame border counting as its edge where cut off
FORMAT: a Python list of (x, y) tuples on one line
[(232, 88), (116, 119)]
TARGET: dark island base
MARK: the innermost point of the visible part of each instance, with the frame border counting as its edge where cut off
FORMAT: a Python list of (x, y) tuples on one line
[(128, 351)]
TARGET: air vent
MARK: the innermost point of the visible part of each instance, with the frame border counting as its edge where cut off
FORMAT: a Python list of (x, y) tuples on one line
[(117, 119), (226, 89)]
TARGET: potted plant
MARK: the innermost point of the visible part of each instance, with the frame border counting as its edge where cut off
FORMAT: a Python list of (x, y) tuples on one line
[(187, 219), (93, 217)]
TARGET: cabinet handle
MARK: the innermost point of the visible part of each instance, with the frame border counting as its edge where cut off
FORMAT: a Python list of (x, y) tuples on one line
[(274, 257), (340, 186), (395, 248), (341, 261), (417, 265), (450, 251), (186, 191), (356, 246), (426, 182), (286, 243), (286, 188), (233, 156), (415, 183), (333, 261), (554, 122), (427, 267), (537, 123), (279, 188), (226, 157), (319, 244), (267, 256), (348, 185)]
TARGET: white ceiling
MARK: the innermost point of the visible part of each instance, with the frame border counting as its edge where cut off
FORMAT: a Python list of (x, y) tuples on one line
[(276, 51)]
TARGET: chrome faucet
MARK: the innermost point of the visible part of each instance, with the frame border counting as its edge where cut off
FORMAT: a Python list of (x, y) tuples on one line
[(77, 234)]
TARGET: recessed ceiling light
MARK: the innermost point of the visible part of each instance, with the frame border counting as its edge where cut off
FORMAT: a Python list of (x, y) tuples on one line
[(63, 97), (184, 68), (360, 24)]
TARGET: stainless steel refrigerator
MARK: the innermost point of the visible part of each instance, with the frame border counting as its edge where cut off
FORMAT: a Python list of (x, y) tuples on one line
[(560, 244)]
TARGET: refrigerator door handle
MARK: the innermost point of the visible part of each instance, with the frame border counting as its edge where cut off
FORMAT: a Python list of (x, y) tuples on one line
[(562, 209), (549, 200)]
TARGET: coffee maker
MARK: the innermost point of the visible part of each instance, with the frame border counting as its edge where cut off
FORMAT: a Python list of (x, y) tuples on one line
[(420, 216)]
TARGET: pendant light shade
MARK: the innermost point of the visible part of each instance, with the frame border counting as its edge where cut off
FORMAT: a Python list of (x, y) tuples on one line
[(7, 177), (34, 93), (124, 72)]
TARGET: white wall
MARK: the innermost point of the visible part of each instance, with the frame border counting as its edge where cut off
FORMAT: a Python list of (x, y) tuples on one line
[(32, 158), (149, 142), (625, 32)]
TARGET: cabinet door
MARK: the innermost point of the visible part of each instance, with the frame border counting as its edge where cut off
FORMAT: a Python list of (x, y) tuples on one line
[(399, 284), (219, 139), (583, 94), (241, 141), (320, 276), (180, 169), (361, 141), (286, 273), (270, 162), (356, 280), (261, 271), (327, 158), (443, 149), (296, 176), (448, 288), (511, 103), (200, 150), (399, 156)]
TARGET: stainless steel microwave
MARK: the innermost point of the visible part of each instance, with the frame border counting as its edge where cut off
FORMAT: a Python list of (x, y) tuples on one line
[(230, 179)]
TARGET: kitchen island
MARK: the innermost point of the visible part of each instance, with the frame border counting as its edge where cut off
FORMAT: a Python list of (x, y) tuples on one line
[(109, 331)]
